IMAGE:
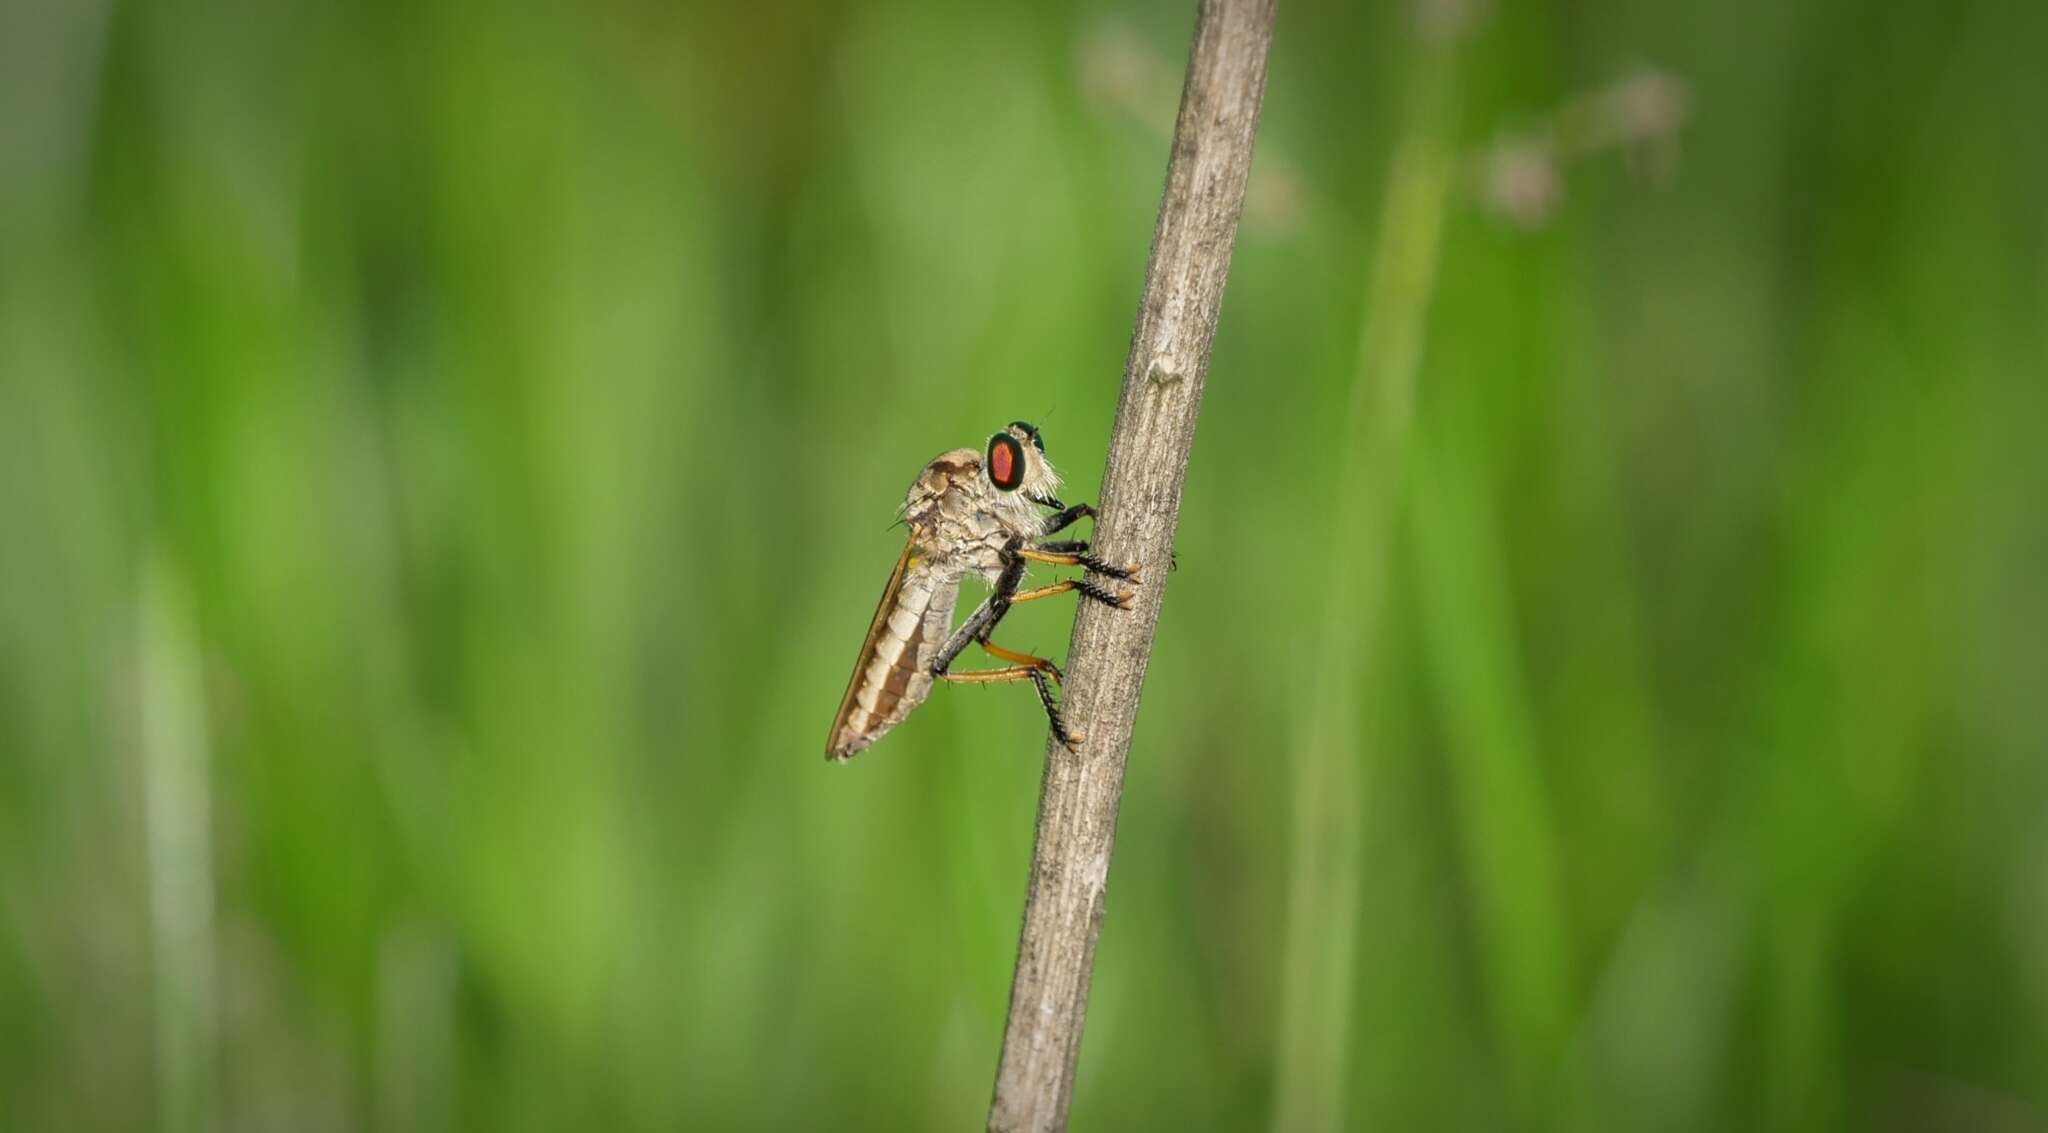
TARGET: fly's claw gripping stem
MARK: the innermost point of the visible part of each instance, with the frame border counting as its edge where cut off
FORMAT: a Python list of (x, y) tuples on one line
[(1090, 589), (1097, 566)]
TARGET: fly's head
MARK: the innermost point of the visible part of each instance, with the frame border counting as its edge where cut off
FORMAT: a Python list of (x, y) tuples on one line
[(1016, 466), (984, 498)]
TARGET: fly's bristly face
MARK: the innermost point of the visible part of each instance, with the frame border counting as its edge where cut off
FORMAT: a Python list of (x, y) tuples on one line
[(1015, 463)]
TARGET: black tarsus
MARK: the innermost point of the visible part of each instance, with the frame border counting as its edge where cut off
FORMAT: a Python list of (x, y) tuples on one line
[(1052, 710), (1090, 562), (1106, 597)]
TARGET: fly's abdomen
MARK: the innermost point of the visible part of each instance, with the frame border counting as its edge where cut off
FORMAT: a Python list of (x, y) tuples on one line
[(895, 676)]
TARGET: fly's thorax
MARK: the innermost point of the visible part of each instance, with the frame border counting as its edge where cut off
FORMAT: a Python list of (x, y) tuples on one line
[(970, 541), (946, 483)]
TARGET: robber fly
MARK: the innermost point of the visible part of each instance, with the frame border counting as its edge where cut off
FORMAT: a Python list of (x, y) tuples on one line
[(969, 513)]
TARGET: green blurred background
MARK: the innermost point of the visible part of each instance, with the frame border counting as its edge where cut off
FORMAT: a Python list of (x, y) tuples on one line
[(446, 459)]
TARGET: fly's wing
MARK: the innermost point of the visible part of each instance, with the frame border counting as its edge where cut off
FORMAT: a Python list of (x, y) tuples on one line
[(852, 729)]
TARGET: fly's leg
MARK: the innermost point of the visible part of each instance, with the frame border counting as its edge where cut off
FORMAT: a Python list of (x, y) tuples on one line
[(970, 630), (1042, 664), (977, 629), (1045, 554), (990, 676), (1067, 739), (1036, 676), (982, 621), (981, 624), (1081, 586), (1077, 551), (1063, 516), (1075, 546)]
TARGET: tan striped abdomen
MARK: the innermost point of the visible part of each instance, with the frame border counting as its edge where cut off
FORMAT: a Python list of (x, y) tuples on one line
[(895, 673)]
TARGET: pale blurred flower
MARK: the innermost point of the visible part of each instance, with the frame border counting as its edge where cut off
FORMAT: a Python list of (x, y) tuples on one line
[(1521, 182), (1120, 72), (1443, 21), (1520, 178)]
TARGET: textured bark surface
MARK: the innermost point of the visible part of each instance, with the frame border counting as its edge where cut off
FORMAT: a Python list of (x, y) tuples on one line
[(1140, 511)]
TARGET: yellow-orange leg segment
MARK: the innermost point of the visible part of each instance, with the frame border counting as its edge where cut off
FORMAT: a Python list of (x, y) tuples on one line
[(1072, 558), (1078, 585), (1026, 659), (992, 676)]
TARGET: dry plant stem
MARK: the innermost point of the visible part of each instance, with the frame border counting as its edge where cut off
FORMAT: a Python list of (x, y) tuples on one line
[(1140, 510)]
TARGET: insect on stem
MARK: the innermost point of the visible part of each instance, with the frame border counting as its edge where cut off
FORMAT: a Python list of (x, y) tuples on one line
[(968, 513)]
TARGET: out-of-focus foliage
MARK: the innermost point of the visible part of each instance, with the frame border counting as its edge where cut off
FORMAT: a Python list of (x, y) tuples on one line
[(446, 459)]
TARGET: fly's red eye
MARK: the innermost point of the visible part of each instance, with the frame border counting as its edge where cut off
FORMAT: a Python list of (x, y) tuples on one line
[(1005, 462)]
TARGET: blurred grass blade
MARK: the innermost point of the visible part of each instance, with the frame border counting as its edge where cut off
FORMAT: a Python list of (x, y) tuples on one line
[(178, 818), (1503, 820), (1329, 758)]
